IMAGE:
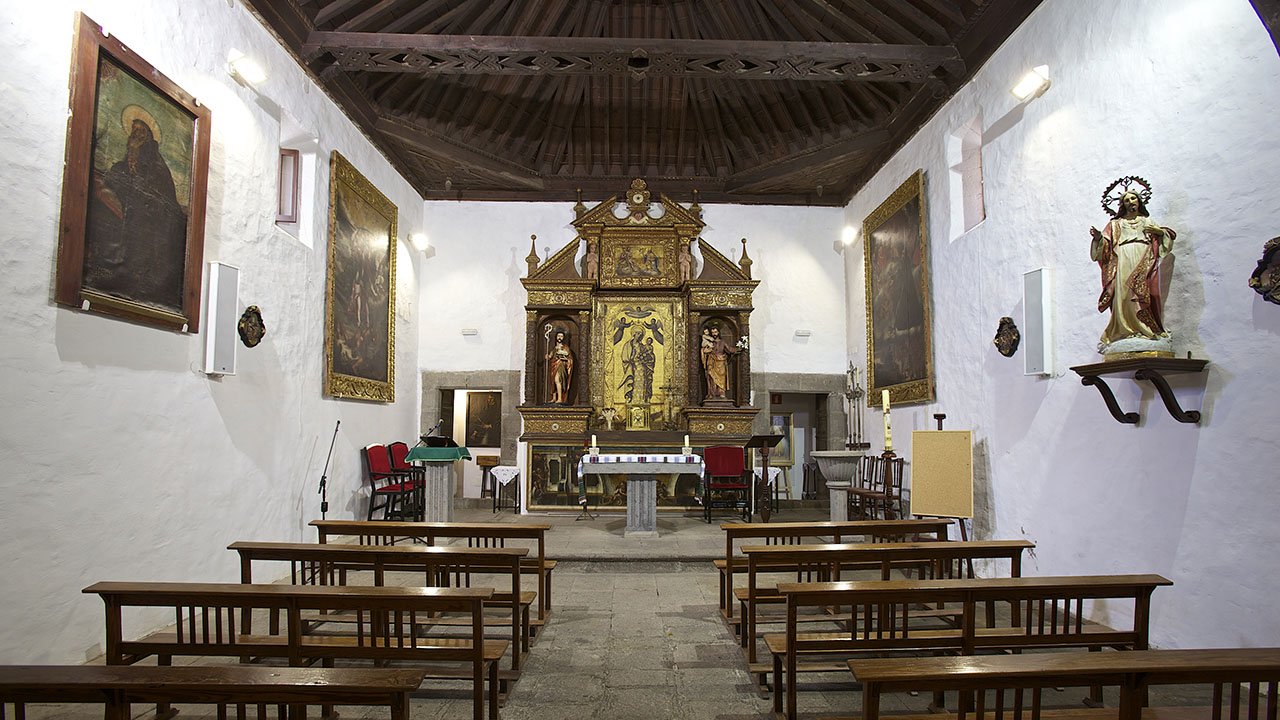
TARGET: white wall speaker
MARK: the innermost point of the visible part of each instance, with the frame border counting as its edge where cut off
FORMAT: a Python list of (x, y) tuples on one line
[(221, 318), (1037, 323)]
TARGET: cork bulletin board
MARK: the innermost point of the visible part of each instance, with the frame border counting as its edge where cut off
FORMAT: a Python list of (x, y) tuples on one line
[(942, 473)]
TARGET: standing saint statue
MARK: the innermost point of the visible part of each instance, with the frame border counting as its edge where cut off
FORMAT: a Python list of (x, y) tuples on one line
[(559, 369), (715, 363), (1129, 249), (592, 261)]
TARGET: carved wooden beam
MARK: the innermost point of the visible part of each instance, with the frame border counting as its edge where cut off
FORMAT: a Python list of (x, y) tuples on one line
[(440, 146), (805, 161), (637, 57)]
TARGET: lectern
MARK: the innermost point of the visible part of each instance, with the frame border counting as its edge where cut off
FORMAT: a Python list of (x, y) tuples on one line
[(438, 457), (764, 443)]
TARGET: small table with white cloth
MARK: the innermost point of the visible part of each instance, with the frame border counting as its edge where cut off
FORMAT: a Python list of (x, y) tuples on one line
[(642, 473), (505, 493)]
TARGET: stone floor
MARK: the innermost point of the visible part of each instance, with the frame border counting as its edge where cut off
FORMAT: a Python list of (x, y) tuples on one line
[(635, 633)]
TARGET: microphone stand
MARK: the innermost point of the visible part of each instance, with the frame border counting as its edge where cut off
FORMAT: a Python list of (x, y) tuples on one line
[(324, 496)]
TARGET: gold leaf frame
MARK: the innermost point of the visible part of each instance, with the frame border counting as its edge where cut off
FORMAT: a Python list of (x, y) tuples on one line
[(676, 359), (344, 177), (631, 240), (903, 213)]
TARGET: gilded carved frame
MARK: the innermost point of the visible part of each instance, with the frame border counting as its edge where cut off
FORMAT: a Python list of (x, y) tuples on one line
[(360, 294), (896, 265), (604, 310)]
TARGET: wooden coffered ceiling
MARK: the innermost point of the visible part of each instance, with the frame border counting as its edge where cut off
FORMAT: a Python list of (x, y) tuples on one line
[(790, 102)]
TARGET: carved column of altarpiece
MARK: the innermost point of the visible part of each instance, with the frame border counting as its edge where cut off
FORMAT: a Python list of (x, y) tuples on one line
[(635, 310)]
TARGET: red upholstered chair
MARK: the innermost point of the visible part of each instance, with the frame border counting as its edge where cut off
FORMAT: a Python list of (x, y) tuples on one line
[(417, 476), (390, 491), (726, 476)]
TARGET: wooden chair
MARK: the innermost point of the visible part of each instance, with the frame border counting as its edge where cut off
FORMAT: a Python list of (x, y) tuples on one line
[(725, 474), (389, 491), (887, 499), (866, 486)]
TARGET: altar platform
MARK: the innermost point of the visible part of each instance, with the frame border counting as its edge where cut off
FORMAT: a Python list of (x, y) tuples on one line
[(681, 536)]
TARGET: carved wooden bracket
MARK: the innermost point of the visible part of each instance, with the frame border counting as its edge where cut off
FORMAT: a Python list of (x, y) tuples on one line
[(1150, 369)]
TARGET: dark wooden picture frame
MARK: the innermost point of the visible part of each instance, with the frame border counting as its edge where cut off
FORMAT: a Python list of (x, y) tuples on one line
[(360, 288), (484, 419), (137, 146), (896, 263)]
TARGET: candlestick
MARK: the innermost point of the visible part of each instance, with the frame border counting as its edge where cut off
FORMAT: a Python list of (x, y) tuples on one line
[(888, 432)]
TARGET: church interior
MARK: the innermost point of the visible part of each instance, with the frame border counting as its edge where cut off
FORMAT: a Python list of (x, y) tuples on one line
[(640, 284)]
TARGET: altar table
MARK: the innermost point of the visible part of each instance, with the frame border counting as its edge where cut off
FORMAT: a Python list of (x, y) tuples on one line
[(642, 473)]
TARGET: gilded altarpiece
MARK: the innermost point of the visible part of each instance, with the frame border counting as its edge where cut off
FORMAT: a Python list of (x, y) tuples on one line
[(627, 305)]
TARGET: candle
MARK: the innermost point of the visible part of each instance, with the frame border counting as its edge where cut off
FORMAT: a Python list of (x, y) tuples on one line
[(593, 441), (888, 433), (686, 441)]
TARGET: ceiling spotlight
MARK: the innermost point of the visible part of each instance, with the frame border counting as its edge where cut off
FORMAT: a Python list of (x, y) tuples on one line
[(448, 184), (244, 69), (1033, 84)]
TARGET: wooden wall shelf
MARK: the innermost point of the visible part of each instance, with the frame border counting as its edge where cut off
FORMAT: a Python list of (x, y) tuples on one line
[(1151, 369)]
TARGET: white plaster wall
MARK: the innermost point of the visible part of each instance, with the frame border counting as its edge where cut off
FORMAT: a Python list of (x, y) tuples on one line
[(1184, 93), (121, 460), (473, 281)]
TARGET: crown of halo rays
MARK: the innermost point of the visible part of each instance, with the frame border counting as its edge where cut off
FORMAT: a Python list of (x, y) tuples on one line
[(1116, 191)]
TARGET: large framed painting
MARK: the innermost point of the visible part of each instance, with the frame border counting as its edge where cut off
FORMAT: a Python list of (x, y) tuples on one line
[(896, 256), (638, 364), (484, 419), (131, 235), (360, 330)]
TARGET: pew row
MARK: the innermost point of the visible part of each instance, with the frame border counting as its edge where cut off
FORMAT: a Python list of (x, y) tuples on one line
[(826, 562), (117, 687), (388, 626), (796, 533), (1239, 677), (328, 564), (1046, 612), (476, 535)]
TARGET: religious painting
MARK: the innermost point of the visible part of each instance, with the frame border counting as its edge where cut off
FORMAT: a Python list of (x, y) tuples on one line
[(360, 328), (638, 362), (782, 454), (896, 258), (484, 419), (631, 261), (136, 168)]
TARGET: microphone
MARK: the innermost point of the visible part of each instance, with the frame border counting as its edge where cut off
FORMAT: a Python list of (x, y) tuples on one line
[(432, 431)]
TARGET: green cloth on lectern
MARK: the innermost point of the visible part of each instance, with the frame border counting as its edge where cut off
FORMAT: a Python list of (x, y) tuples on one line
[(437, 454)]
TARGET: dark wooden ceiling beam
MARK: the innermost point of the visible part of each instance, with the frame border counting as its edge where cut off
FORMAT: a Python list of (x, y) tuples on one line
[(1269, 13), (530, 55), (332, 10), (806, 161), (437, 145), (413, 17), (948, 9)]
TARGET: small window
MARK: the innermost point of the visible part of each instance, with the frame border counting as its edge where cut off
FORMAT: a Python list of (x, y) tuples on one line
[(964, 157), (287, 188)]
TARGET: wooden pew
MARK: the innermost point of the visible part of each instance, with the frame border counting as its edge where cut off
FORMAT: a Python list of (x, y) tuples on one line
[(825, 562), (795, 533), (208, 617), (476, 535), (327, 564), (118, 686), (1133, 672), (1047, 613)]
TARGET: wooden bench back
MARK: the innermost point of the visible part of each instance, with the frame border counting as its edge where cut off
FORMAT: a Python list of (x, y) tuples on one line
[(795, 533), (210, 619), (1239, 676), (936, 559), (387, 533), (313, 564), (1048, 612)]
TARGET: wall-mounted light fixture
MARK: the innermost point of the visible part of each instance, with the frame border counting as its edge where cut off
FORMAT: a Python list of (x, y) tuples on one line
[(803, 333), (1033, 84), (470, 331), (419, 241), (244, 69), (848, 237)]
